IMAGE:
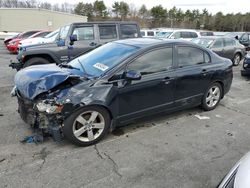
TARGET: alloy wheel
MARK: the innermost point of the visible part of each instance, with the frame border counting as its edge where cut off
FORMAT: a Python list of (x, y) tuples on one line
[(213, 96), (88, 126), (237, 59)]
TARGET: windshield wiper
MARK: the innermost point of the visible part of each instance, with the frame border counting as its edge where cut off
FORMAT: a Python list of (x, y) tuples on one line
[(63, 65), (83, 68)]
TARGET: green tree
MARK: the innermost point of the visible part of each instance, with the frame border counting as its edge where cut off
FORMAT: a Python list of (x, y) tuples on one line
[(100, 9), (121, 9), (84, 9), (159, 15)]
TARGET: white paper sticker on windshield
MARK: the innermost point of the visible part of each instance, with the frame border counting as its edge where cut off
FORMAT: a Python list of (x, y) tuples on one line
[(101, 66)]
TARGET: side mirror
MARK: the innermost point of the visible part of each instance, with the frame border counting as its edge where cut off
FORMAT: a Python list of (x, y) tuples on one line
[(132, 75), (172, 37), (72, 39)]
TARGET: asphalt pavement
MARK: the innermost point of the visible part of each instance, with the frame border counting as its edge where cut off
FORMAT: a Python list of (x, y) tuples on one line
[(175, 150)]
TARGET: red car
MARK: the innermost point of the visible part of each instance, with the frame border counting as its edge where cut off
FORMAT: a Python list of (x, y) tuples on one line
[(20, 35), (12, 46)]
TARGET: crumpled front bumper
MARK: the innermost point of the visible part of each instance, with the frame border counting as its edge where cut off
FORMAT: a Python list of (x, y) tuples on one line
[(49, 124)]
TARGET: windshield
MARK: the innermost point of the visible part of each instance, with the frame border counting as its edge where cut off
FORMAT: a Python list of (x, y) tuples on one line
[(64, 32), (203, 42), (97, 62), (164, 34), (52, 34)]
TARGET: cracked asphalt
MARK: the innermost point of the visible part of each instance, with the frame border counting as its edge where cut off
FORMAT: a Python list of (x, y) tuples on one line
[(168, 150)]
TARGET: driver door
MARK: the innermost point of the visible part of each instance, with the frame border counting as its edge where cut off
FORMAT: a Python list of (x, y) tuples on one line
[(154, 91)]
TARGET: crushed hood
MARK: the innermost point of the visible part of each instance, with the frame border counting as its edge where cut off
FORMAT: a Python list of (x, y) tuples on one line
[(38, 79)]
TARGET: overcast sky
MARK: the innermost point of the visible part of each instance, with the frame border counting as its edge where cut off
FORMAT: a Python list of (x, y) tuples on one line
[(226, 6)]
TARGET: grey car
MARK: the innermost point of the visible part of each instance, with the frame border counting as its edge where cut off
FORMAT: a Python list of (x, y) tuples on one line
[(239, 175), (223, 46)]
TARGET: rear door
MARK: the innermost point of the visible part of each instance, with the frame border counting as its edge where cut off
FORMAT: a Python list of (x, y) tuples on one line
[(193, 74), (229, 48)]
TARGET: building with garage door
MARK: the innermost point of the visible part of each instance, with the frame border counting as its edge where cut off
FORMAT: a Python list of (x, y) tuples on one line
[(23, 19)]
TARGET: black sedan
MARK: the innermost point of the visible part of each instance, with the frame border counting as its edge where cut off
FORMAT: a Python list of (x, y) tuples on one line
[(117, 83), (224, 46)]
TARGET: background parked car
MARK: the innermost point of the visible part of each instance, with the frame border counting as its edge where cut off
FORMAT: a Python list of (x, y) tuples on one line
[(51, 37), (246, 66), (243, 37), (239, 175), (149, 33), (109, 84), (12, 46), (225, 47), (178, 34), (75, 39), (23, 35)]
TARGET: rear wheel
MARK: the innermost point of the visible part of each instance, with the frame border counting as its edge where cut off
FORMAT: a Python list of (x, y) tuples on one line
[(36, 61), (212, 97), (87, 126), (236, 59)]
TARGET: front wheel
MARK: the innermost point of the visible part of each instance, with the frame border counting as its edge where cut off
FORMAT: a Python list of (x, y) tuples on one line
[(236, 59), (87, 126), (36, 61), (212, 97)]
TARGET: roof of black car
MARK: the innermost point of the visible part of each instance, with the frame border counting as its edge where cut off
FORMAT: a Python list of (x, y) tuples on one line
[(147, 42)]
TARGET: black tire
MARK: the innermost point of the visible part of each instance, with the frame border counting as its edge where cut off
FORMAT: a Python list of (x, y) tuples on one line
[(236, 61), (205, 105), (69, 123), (36, 61)]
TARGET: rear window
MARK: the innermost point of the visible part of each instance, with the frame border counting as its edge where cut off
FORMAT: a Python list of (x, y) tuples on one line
[(230, 42), (108, 32), (151, 33), (128, 31), (188, 56)]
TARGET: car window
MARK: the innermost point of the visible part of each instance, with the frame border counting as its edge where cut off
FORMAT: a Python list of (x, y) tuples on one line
[(84, 33), (177, 35), (152, 62), (128, 31), (64, 32), (229, 42), (218, 43), (193, 35), (189, 56), (27, 34), (108, 32), (150, 33), (43, 34), (245, 37), (186, 35), (143, 33)]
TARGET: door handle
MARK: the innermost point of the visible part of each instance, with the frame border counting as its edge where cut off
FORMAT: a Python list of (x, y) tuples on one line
[(167, 80), (204, 72), (93, 44)]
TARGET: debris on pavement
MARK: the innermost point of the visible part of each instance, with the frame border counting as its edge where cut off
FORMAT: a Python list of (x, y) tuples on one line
[(2, 160), (218, 116), (1, 114), (32, 139), (201, 117)]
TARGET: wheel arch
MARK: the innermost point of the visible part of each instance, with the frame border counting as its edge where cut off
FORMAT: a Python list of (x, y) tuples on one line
[(45, 56), (222, 86)]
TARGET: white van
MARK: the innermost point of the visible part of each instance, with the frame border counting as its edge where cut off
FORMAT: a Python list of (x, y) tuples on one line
[(178, 34)]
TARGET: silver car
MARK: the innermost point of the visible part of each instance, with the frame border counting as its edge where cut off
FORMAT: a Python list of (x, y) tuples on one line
[(239, 175)]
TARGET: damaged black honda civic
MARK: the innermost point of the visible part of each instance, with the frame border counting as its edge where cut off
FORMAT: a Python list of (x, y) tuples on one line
[(119, 82)]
